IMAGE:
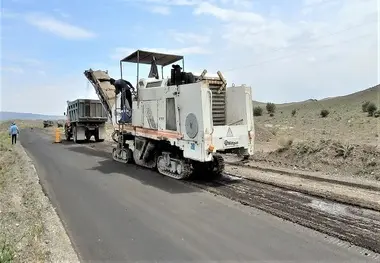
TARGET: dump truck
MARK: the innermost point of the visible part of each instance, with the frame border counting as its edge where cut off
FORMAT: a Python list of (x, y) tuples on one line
[(179, 125), (85, 118)]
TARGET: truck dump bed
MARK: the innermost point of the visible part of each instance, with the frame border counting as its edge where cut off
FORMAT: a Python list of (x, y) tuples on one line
[(83, 110)]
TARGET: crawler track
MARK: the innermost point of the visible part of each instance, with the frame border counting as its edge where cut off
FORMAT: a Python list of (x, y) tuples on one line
[(358, 226)]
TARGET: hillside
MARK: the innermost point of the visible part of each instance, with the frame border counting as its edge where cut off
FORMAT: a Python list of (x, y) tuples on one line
[(311, 142), (370, 94), (346, 120), (8, 115)]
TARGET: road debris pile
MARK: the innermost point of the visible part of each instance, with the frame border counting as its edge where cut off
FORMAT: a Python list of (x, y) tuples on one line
[(328, 156)]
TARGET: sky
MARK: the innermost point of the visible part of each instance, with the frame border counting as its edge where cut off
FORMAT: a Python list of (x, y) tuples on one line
[(285, 50)]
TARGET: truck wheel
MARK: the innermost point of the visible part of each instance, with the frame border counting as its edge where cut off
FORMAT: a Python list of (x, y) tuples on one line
[(75, 134), (88, 136), (97, 137)]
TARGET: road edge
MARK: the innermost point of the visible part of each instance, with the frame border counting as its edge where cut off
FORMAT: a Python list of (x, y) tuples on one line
[(56, 233)]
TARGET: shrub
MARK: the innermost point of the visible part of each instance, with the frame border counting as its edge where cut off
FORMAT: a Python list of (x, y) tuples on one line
[(376, 114), (365, 106), (271, 114), (343, 150), (371, 108), (324, 113), (294, 112), (257, 111), (271, 108), (285, 142)]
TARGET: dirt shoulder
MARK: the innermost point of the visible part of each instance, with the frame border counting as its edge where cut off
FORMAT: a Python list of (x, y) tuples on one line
[(30, 229), (342, 193)]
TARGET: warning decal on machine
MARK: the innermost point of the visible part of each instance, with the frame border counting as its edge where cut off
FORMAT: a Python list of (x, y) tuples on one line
[(229, 132)]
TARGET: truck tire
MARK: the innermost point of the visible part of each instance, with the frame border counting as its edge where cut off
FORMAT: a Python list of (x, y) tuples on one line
[(88, 136), (75, 134), (67, 133), (96, 135)]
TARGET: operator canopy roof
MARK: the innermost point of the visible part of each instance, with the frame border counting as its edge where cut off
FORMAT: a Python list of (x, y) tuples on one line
[(145, 57)]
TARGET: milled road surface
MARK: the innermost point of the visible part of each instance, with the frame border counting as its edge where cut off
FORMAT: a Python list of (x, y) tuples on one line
[(117, 212)]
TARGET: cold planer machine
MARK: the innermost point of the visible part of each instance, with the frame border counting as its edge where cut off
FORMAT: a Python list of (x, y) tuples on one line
[(179, 125)]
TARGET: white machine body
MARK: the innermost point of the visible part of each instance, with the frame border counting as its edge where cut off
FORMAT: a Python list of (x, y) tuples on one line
[(179, 125), (183, 115)]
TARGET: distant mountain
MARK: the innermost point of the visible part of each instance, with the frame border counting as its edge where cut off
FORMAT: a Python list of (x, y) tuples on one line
[(8, 115)]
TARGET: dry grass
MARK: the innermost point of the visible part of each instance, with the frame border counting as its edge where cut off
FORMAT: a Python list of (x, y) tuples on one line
[(21, 225), (349, 129), (346, 120), (29, 228)]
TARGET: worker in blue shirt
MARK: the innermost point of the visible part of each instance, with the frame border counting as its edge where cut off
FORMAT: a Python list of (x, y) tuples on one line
[(13, 131)]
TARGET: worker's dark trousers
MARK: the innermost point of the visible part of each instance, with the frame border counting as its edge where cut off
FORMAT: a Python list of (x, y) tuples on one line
[(14, 138)]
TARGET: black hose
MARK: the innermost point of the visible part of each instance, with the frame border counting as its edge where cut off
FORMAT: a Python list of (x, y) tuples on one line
[(116, 132)]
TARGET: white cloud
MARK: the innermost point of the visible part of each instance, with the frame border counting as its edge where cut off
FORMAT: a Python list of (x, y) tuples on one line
[(15, 70), (44, 96), (329, 49), (163, 10), (188, 37), (246, 4), (121, 52), (41, 72), (61, 13), (59, 28), (289, 58), (227, 14), (166, 2)]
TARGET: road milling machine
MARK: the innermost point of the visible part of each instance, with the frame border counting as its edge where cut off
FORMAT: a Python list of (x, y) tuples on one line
[(176, 125)]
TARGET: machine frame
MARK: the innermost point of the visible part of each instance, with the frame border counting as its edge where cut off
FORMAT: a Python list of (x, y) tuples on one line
[(178, 152)]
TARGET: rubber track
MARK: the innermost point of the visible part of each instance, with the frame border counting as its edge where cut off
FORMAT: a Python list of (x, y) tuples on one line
[(360, 227)]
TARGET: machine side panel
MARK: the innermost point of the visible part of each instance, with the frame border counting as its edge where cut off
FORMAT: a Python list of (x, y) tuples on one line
[(171, 120), (250, 120), (154, 93), (191, 120), (161, 112), (150, 114), (236, 109), (242, 115), (229, 137), (137, 114)]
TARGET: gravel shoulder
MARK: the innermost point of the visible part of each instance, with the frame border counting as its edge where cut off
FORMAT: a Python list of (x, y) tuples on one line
[(30, 229)]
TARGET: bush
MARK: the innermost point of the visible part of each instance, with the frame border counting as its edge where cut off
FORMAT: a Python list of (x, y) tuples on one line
[(324, 113), (376, 114), (365, 106), (294, 112), (371, 108), (257, 111), (271, 108), (285, 142), (271, 114)]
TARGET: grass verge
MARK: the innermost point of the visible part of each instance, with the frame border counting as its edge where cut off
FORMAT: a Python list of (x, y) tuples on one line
[(21, 223)]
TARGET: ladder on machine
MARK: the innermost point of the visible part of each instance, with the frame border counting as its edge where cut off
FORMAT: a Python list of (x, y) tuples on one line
[(120, 114)]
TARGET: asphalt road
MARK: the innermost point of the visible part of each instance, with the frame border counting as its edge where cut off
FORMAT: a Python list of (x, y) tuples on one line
[(117, 212)]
